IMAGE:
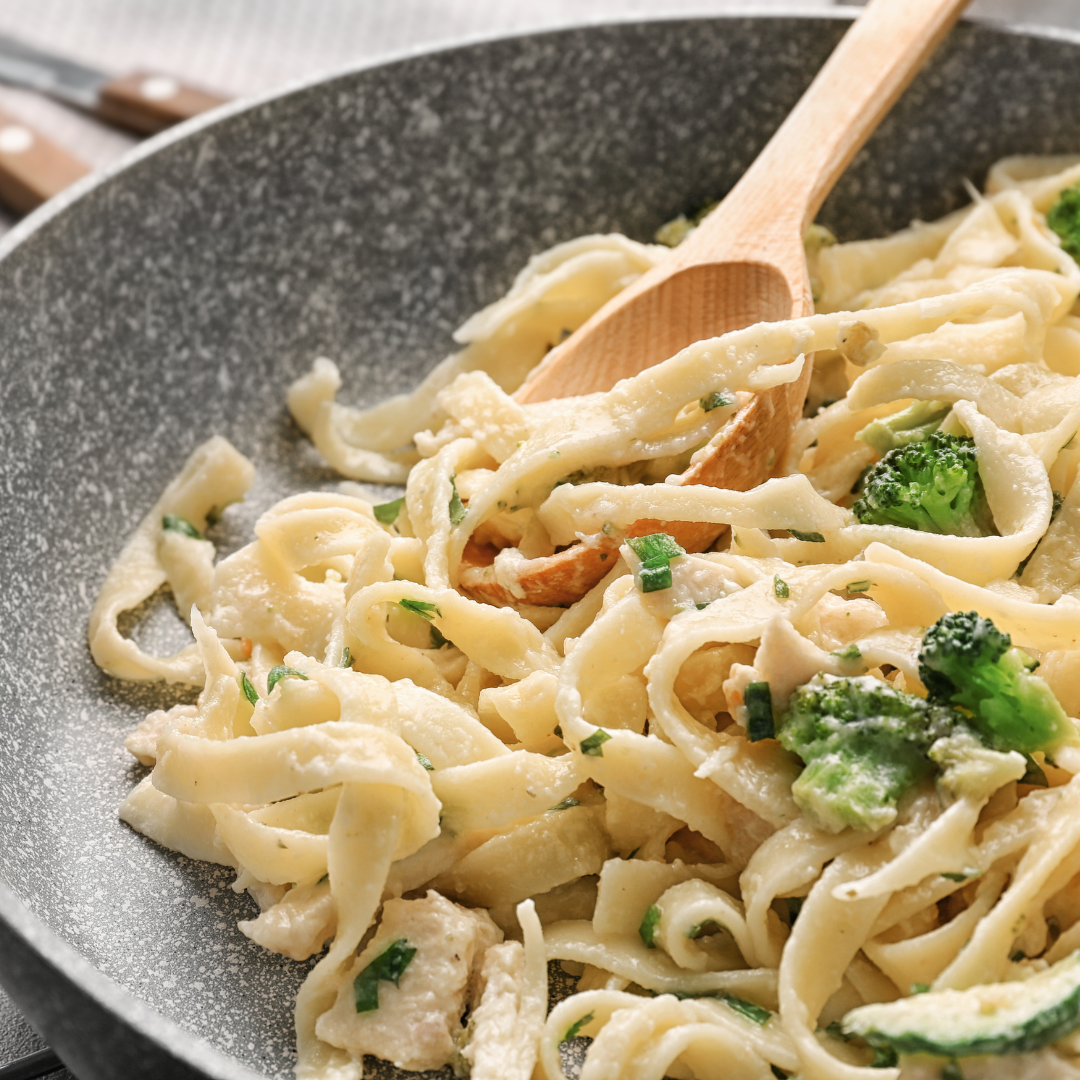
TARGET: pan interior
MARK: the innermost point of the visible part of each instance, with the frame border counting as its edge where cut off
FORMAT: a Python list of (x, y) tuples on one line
[(362, 218)]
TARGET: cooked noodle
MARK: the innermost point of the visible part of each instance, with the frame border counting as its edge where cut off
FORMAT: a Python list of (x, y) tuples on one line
[(500, 786)]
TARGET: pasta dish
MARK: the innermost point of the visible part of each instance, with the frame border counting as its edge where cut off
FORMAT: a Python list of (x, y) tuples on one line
[(782, 771)]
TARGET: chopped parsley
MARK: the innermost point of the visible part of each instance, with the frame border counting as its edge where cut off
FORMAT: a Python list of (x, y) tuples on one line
[(573, 1030), (716, 400), (757, 697), (457, 507), (387, 513), (422, 608), (1034, 775), (850, 653), (949, 875), (857, 586), (648, 926), (920, 988), (425, 761), (780, 587), (593, 745), (709, 926), (807, 537), (176, 523), (565, 804), (390, 965), (249, 691), (655, 552), (282, 671), (755, 1013), (346, 657)]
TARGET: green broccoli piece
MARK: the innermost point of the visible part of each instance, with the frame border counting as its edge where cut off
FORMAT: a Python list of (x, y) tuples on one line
[(966, 661), (1064, 219), (932, 485), (909, 425), (864, 744)]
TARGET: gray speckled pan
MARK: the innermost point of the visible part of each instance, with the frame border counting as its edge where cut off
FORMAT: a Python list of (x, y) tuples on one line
[(362, 217)]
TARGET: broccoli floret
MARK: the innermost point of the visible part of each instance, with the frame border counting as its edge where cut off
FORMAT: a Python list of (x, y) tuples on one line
[(967, 661), (1064, 219), (909, 425), (932, 485), (864, 744)]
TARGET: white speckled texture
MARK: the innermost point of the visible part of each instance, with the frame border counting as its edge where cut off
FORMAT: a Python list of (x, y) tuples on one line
[(363, 218)]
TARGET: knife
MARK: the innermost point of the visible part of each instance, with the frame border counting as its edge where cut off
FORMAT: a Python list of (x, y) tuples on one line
[(146, 102)]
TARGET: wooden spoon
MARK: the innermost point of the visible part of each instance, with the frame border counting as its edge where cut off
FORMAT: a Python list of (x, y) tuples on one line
[(744, 264)]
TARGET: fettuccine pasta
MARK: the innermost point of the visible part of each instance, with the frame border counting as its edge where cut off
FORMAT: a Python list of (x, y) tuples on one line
[(440, 784)]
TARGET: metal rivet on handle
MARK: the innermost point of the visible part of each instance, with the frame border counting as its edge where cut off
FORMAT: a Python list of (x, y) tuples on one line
[(15, 139), (159, 88)]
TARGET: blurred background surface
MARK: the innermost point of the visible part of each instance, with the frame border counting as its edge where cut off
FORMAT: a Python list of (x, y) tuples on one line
[(241, 47)]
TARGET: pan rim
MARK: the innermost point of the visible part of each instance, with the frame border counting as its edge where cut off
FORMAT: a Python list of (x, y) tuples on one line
[(15, 914)]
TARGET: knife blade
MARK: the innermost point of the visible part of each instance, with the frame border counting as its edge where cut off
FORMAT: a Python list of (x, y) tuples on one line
[(146, 102)]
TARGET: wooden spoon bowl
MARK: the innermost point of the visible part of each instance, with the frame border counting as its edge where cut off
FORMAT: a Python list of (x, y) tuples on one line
[(744, 264)]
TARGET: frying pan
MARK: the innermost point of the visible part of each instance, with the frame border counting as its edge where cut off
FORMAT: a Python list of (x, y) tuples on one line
[(361, 216)]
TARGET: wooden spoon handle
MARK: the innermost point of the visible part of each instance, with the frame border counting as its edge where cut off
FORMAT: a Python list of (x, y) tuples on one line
[(149, 103), (785, 187), (32, 169)]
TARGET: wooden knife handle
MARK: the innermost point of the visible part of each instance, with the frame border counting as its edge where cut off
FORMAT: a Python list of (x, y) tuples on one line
[(148, 103), (32, 169)]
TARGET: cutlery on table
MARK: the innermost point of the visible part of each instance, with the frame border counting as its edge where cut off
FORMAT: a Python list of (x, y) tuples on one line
[(145, 102)]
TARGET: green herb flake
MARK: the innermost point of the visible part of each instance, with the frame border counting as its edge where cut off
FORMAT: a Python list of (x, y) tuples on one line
[(632, 853), (709, 926), (852, 652), (858, 586), (389, 965), (884, 1058), (807, 537), (346, 658), (249, 691), (176, 523), (716, 400), (387, 513), (1034, 775), (593, 745), (920, 988), (425, 761), (422, 608), (282, 671), (655, 552), (746, 1008), (565, 804), (575, 1028), (757, 697), (648, 926), (780, 587), (457, 507), (950, 875), (701, 605)]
